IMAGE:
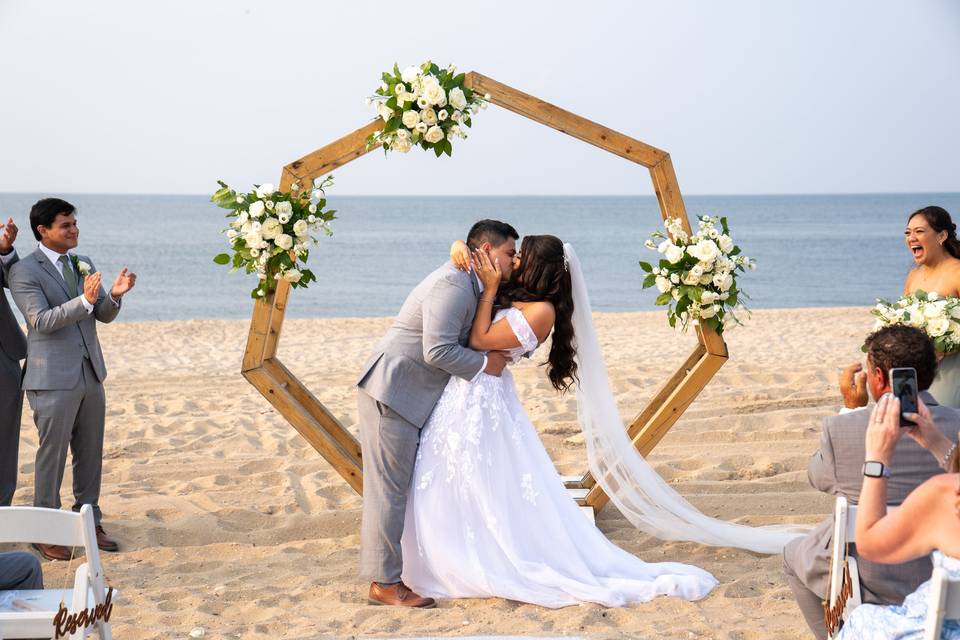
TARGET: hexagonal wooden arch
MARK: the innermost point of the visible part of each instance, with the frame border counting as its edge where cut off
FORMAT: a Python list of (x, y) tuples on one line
[(330, 438)]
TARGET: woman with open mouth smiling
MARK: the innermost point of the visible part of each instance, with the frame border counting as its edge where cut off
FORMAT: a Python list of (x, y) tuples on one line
[(931, 237)]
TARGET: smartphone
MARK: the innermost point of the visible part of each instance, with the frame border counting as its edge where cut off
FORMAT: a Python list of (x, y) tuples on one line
[(903, 383)]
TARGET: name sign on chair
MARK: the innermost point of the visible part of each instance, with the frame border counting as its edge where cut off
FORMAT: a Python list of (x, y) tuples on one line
[(67, 623)]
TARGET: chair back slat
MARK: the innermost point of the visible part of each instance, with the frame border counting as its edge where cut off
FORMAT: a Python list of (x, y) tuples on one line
[(44, 526)]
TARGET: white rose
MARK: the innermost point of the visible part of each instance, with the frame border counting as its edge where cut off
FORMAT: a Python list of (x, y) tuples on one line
[(428, 116), (271, 228), (696, 271), (691, 278), (713, 234), (664, 284), (284, 207), (245, 228), (723, 281), (422, 128), (674, 278), (403, 145), (410, 118), (726, 243), (312, 208), (705, 250), (253, 241), (300, 227), (256, 209), (292, 275), (284, 218), (410, 74), (456, 116), (432, 90), (311, 219), (270, 205), (675, 293), (399, 88), (83, 267), (254, 253), (457, 99), (674, 254), (240, 199), (443, 115), (265, 191), (932, 310), (708, 297), (284, 241), (385, 112), (937, 327), (403, 134), (422, 102), (434, 134), (706, 278)]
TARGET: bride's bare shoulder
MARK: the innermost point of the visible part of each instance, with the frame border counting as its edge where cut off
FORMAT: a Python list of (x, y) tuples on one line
[(540, 316)]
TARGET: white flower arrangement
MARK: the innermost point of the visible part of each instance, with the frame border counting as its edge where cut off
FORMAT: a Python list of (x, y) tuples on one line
[(697, 275), (271, 231), (936, 315), (423, 105), (83, 268)]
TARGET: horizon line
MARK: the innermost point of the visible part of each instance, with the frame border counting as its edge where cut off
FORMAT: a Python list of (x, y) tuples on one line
[(511, 195)]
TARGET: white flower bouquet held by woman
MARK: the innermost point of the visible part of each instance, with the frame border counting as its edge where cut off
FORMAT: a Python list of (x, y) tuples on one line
[(271, 231), (423, 105), (936, 315), (697, 275)]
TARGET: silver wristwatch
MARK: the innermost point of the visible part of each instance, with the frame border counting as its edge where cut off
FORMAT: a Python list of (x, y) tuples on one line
[(874, 469)]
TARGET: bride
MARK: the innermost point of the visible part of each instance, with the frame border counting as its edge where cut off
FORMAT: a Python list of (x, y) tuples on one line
[(487, 514)]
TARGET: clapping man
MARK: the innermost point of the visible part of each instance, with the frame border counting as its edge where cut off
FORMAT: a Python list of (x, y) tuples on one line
[(13, 349), (61, 298)]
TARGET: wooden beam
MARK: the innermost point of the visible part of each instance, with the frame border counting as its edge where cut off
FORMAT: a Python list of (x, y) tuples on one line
[(668, 192), (334, 155), (564, 121), (276, 392)]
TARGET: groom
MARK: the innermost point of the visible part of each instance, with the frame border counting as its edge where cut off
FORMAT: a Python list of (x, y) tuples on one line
[(399, 386)]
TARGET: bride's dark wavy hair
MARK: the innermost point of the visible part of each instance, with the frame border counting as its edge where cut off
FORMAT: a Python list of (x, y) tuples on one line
[(543, 276), (939, 220)]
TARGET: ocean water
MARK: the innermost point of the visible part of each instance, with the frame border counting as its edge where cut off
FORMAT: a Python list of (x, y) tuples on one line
[(812, 250)]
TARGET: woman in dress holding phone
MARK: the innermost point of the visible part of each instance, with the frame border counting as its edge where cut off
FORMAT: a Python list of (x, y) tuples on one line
[(931, 236)]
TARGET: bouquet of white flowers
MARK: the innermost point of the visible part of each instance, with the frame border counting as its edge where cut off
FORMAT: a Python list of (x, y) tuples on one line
[(697, 276), (426, 106), (271, 231), (934, 314)]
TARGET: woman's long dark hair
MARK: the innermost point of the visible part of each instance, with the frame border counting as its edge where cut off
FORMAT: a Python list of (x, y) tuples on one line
[(939, 220), (543, 275)]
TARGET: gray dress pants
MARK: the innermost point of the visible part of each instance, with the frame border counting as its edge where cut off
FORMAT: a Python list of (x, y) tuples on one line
[(70, 418), (11, 409), (20, 570), (389, 446)]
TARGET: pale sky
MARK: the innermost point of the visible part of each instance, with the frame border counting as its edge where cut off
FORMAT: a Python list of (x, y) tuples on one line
[(811, 96)]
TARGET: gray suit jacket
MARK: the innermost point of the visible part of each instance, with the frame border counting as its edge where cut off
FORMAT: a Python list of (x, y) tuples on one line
[(836, 468), (12, 341), (426, 345), (58, 326)]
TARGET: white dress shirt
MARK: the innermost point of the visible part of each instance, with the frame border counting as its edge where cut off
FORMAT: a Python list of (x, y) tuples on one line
[(54, 257)]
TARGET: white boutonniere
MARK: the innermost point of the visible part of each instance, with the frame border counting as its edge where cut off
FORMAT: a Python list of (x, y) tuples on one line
[(83, 268)]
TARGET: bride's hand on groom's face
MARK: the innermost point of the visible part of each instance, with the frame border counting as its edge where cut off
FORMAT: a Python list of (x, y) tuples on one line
[(487, 270)]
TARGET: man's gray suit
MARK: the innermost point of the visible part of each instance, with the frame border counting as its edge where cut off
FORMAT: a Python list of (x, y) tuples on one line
[(64, 378), (13, 349), (836, 468), (398, 388)]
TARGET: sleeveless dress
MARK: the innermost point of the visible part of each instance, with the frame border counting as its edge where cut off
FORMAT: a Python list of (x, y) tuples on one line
[(946, 386), (488, 515), (902, 622)]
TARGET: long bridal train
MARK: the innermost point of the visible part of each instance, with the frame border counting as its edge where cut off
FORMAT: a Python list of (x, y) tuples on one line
[(641, 495)]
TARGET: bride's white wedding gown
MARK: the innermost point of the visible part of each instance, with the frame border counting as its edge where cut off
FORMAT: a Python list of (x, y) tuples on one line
[(489, 516)]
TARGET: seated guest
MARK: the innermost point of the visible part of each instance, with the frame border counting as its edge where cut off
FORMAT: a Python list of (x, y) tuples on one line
[(19, 570), (928, 521), (836, 468)]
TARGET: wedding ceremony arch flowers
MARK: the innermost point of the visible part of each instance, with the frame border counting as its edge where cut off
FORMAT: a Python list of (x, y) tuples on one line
[(936, 315), (697, 275), (423, 106), (271, 231)]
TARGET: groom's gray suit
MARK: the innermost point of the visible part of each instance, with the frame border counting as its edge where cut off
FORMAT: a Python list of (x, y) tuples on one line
[(399, 386), (13, 349), (64, 377)]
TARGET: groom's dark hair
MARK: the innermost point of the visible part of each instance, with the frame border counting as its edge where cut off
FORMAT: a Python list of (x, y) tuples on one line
[(45, 211), (492, 231)]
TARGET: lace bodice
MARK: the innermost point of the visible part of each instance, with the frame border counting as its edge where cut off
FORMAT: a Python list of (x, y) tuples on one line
[(521, 329)]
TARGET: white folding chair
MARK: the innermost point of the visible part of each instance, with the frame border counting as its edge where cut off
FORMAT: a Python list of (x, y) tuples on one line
[(944, 603), (844, 533), (54, 526)]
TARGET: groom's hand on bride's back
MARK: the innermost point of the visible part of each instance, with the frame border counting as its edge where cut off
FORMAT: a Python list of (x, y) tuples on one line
[(496, 361)]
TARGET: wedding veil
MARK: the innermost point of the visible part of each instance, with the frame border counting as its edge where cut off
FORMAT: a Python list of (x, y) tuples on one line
[(642, 496)]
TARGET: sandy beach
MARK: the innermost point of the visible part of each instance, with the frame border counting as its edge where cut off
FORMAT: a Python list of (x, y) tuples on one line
[(228, 521)]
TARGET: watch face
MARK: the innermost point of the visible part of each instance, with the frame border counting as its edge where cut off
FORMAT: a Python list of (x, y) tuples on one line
[(873, 469)]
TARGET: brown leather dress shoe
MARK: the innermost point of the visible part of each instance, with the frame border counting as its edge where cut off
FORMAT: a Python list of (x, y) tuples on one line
[(105, 543), (52, 551), (399, 595)]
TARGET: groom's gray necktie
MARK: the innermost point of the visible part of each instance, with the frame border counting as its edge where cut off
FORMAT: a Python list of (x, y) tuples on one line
[(70, 277)]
